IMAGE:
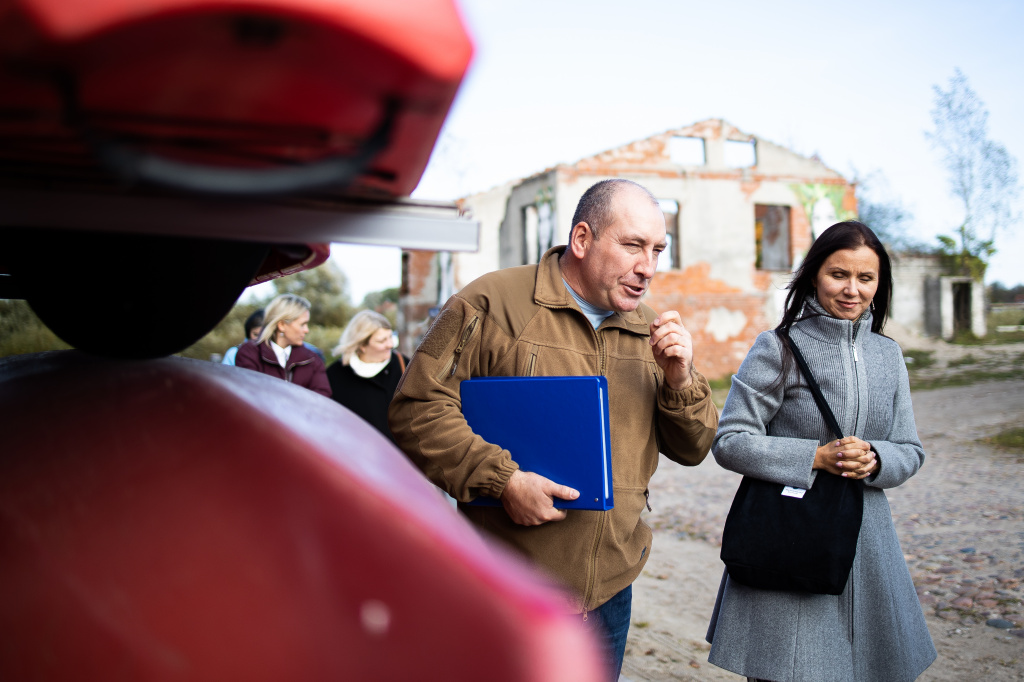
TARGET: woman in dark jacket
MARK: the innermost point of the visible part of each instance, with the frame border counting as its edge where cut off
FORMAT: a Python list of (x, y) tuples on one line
[(279, 351), (365, 378)]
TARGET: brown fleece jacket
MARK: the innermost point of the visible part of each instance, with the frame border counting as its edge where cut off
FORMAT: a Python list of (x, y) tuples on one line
[(523, 322)]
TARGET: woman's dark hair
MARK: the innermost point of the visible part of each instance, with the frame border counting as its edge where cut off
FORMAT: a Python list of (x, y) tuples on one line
[(253, 321), (848, 234)]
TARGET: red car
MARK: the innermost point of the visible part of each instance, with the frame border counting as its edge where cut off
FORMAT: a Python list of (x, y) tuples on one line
[(172, 519)]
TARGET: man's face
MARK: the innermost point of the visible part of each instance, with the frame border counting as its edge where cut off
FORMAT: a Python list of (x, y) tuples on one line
[(617, 268)]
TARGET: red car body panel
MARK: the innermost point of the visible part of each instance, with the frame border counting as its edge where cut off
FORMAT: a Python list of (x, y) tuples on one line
[(173, 519)]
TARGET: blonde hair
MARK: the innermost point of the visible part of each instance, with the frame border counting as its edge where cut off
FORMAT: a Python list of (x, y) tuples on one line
[(358, 331), (285, 308)]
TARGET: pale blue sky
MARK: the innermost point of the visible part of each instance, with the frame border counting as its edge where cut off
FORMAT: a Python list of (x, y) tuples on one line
[(556, 81)]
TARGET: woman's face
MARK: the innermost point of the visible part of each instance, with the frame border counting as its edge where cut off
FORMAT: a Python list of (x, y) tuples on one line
[(293, 333), (847, 281), (378, 347)]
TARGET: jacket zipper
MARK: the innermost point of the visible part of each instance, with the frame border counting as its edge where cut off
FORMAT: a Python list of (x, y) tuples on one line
[(600, 528), (290, 371), (449, 369), (856, 376), (531, 366), (593, 566)]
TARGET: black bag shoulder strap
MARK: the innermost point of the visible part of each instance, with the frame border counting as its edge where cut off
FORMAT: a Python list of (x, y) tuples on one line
[(826, 411)]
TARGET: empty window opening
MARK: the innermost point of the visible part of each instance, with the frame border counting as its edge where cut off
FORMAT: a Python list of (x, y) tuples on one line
[(740, 154), (538, 230), (961, 307), (671, 257), (771, 234), (530, 223), (445, 277), (686, 151), (823, 215), (404, 291)]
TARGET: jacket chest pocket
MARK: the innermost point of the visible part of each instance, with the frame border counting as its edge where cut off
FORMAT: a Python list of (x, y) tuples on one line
[(529, 368), (452, 365)]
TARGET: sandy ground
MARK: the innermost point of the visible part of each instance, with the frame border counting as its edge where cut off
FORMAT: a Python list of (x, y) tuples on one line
[(960, 522)]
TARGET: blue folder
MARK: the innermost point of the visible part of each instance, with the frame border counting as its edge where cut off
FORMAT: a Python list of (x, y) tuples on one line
[(553, 426)]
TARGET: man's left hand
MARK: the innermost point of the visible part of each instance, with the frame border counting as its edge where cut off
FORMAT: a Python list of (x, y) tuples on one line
[(673, 349)]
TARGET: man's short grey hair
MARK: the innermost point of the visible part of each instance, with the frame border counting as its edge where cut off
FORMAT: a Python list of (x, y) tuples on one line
[(595, 207)]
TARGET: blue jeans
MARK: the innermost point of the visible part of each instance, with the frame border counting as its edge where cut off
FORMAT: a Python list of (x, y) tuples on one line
[(610, 623)]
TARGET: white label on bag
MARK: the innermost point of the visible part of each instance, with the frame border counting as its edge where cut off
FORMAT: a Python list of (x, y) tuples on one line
[(790, 491)]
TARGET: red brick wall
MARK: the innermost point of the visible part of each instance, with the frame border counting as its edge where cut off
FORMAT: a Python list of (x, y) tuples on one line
[(417, 299), (694, 294)]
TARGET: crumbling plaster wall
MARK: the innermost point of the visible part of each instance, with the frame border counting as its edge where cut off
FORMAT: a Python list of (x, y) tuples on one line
[(418, 296), (490, 208), (511, 227), (911, 275), (724, 300)]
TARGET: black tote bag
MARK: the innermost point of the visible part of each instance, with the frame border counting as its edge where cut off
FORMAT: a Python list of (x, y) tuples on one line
[(775, 539)]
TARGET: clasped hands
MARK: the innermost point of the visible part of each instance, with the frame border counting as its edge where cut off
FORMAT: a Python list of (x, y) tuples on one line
[(849, 457)]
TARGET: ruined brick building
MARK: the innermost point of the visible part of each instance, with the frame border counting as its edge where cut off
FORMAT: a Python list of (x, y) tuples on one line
[(741, 212)]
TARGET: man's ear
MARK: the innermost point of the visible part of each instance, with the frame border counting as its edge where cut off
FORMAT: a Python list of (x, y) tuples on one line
[(580, 239)]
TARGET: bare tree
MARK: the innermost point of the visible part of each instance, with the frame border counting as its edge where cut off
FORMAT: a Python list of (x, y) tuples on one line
[(982, 175), (884, 213)]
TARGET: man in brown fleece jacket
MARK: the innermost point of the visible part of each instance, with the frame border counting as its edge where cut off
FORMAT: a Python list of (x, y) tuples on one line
[(576, 313)]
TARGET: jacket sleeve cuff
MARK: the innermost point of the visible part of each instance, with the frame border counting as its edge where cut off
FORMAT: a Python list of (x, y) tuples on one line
[(504, 472), (674, 401)]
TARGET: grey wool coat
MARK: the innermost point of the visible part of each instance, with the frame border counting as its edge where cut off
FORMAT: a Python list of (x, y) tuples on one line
[(875, 629)]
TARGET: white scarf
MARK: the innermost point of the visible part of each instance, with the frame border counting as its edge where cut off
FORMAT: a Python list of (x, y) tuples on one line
[(366, 369)]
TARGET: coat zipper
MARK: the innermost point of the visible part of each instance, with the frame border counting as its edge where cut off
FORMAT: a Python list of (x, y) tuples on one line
[(856, 377), (593, 567), (600, 528), (449, 369), (290, 371)]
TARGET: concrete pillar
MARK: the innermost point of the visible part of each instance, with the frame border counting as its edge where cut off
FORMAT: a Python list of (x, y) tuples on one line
[(978, 326), (946, 306)]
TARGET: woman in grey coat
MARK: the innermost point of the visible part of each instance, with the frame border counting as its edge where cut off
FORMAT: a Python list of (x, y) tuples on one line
[(772, 429)]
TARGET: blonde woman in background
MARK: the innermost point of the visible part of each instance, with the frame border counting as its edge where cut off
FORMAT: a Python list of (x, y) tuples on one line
[(365, 378), (279, 351)]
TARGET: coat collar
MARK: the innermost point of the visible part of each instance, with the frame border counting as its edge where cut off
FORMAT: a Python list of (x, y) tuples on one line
[(817, 323), (550, 292), (300, 355)]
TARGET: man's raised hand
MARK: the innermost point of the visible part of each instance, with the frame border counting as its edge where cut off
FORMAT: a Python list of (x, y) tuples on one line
[(673, 349)]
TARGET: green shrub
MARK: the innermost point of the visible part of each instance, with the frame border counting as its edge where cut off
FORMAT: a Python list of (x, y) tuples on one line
[(968, 359), (723, 384), (919, 359), (22, 332), (1010, 438)]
